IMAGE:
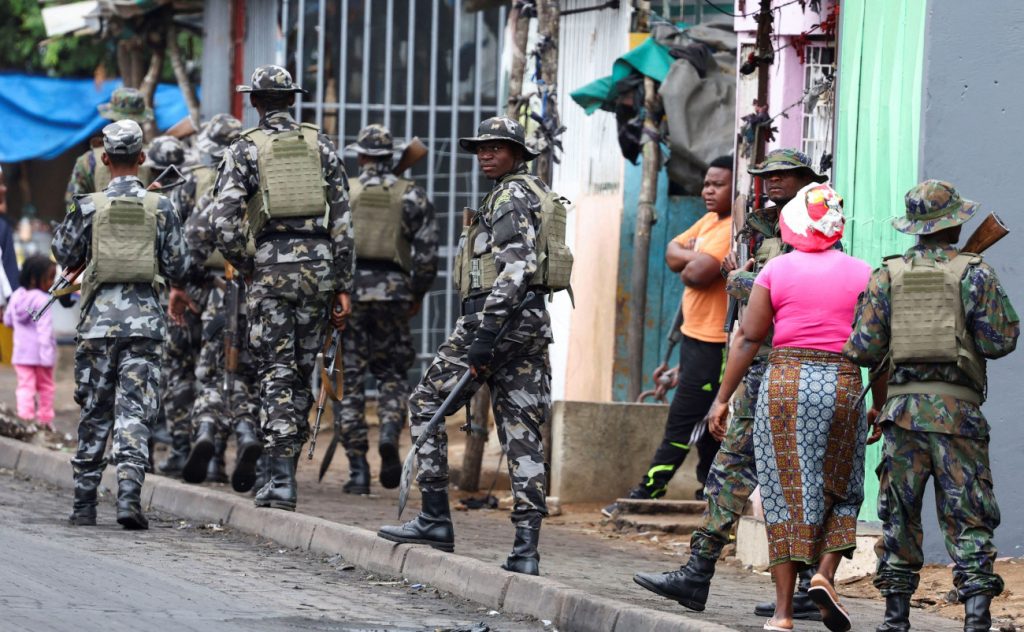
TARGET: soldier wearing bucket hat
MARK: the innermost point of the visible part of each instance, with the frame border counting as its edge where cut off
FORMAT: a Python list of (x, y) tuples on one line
[(933, 346), (90, 175), (396, 250), (215, 137), (499, 260), (135, 240), (282, 186)]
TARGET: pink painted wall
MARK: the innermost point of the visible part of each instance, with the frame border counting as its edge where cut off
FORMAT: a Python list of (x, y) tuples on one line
[(789, 20)]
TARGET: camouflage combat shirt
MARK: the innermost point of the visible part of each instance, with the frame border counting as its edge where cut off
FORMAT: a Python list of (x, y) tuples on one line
[(990, 318), (421, 232), (326, 251), (121, 310)]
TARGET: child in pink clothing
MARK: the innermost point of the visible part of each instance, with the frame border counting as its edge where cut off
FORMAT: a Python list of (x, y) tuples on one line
[(35, 350)]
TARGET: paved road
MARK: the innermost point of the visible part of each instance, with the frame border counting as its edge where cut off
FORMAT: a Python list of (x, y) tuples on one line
[(183, 577)]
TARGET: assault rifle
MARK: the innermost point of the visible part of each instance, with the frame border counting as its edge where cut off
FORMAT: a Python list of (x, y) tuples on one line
[(991, 230), (62, 286), (169, 178), (234, 297), (413, 152), (330, 386)]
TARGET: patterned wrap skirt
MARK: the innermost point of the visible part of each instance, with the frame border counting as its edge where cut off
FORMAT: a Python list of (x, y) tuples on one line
[(809, 439)]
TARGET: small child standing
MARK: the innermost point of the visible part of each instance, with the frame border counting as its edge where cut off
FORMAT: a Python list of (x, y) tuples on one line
[(35, 349)]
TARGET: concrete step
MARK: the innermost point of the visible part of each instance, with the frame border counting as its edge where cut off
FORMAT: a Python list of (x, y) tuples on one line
[(638, 506), (677, 523)]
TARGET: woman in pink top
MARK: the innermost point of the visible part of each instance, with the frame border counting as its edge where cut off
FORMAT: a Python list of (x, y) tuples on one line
[(809, 425), (35, 350)]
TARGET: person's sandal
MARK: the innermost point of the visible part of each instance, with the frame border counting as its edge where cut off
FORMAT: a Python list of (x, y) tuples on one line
[(771, 627), (833, 614)]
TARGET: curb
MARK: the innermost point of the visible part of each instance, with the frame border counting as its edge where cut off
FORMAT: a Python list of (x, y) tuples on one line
[(539, 597)]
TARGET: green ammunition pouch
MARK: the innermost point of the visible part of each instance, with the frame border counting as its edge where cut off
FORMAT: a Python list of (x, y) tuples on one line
[(291, 182), (554, 259), (377, 220), (770, 248), (929, 325), (101, 174), (123, 243)]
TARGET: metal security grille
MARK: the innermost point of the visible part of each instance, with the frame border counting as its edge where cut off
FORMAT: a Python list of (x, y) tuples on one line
[(423, 68), (816, 134)]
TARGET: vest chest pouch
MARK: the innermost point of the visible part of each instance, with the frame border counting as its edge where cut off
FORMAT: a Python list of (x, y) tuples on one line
[(377, 214), (123, 242)]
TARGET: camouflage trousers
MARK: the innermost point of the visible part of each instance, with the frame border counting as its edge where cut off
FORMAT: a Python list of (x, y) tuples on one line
[(733, 474), (285, 334), (243, 400), (520, 384), (376, 340), (964, 501), (116, 385), (181, 348)]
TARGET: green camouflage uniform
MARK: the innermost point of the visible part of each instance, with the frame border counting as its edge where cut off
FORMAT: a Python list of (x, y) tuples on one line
[(299, 266), (935, 436), (378, 338), (117, 362)]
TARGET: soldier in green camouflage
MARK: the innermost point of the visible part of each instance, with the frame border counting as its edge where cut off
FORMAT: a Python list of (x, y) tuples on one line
[(931, 422), (283, 186), (396, 261), (89, 174), (732, 477), (502, 243), (130, 238)]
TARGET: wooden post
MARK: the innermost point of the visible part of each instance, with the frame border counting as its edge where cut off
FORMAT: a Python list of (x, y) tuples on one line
[(764, 54), (181, 75), (548, 19), (645, 217), (515, 80)]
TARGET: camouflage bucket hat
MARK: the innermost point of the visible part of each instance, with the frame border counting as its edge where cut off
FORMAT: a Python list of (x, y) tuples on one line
[(217, 134), (373, 140), (122, 138), (126, 103), (932, 206), (165, 151), (271, 78), (499, 128), (785, 160)]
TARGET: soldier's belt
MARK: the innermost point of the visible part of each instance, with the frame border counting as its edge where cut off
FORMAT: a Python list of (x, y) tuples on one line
[(959, 391), (378, 265), (475, 304), (268, 235)]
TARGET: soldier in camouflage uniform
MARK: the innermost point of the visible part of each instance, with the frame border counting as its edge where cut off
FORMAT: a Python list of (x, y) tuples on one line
[(504, 234), (125, 103), (293, 203), (117, 362), (222, 406), (732, 477), (931, 421), (396, 261)]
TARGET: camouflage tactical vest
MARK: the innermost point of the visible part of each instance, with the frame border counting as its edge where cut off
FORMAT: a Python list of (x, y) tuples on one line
[(291, 183), (123, 242), (101, 173), (476, 274), (770, 248), (206, 177), (377, 220), (928, 323)]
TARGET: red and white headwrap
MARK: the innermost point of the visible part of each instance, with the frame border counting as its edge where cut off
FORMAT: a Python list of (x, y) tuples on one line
[(813, 220)]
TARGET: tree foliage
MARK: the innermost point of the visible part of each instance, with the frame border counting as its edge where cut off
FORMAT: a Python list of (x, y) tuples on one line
[(23, 34)]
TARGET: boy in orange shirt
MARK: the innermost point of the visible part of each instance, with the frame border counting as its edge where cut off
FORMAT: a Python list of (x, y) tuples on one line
[(697, 256)]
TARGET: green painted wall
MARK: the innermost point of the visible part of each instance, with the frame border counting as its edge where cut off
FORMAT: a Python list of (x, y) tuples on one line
[(881, 51)]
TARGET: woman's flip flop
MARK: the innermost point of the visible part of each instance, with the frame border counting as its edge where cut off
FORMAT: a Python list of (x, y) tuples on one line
[(771, 627), (824, 595)]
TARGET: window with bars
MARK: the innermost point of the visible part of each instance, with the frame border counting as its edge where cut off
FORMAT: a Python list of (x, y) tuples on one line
[(816, 138), (423, 68)]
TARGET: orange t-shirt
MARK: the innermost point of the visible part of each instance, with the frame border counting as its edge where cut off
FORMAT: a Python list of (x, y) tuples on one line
[(704, 309)]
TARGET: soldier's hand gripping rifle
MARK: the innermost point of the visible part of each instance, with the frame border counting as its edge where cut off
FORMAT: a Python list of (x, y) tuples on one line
[(234, 298), (438, 418), (991, 230), (330, 384), (63, 285)]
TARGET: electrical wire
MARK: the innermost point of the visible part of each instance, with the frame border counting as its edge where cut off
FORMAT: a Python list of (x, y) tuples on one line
[(746, 15)]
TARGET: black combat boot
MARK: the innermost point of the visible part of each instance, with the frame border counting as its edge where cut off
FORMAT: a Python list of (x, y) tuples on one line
[(279, 492), (433, 525), (524, 557), (129, 505), (803, 607), (689, 585), (897, 614), (215, 470), (249, 449), (390, 464), (977, 617), (83, 512), (358, 475), (262, 472), (161, 434), (203, 447), (175, 461)]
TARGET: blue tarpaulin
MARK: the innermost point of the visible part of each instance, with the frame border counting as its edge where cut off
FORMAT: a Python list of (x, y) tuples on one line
[(45, 116)]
